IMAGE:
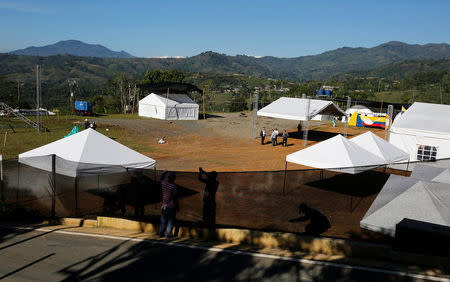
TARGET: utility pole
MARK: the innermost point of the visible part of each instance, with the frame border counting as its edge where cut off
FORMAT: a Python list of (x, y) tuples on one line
[(72, 84), (255, 111), (38, 96), (18, 93), (134, 99), (204, 114)]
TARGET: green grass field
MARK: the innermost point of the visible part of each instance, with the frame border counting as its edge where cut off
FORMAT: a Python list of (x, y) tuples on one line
[(24, 138)]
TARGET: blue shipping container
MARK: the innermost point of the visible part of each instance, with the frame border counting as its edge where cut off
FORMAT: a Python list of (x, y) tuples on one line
[(328, 92), (83, 106), (320, 92)]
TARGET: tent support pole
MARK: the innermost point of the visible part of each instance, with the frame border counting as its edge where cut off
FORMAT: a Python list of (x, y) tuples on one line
[(284, 183), (321, 174), (407, 166), (76, 196), (1, 178), (53, 185), (18, 183)]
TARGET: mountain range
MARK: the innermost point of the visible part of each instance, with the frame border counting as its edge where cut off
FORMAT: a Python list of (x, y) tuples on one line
[(72, 47), (304, 68)]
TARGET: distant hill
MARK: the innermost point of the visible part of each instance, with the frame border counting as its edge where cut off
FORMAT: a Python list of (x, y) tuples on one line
[(322, 66), (316, 67), (400, 70), (72, 47)]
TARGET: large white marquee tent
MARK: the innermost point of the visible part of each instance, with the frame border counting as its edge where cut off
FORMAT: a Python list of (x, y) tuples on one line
[(380, 147), (408, 197), (423, 131), (296, 109), (171, 107), (86, 153), (337, 154)]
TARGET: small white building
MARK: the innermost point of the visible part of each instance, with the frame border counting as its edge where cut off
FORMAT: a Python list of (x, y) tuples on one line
[(173, 107), (423, 131)]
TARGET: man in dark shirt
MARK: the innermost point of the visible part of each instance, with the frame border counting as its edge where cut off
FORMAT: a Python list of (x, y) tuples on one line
[(209, 196), (299, 129), (263, 135), (169, 204), (285, 138)]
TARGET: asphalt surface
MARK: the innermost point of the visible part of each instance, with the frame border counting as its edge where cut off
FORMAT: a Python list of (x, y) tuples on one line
[(27, 255)]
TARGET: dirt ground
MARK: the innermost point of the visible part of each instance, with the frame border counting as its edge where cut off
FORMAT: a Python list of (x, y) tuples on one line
[(224, 142)]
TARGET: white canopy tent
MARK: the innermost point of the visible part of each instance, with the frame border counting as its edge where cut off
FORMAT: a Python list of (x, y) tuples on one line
[(296, 109), (173, 107), (423, 131), (380, 147), (407, 197), (86, 153), (337, 154)]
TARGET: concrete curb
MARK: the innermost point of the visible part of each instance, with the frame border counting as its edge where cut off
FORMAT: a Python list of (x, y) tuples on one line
[(288, 241)]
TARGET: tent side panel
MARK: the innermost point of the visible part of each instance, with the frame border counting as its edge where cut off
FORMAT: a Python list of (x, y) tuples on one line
[(183, 113), (153, 111)]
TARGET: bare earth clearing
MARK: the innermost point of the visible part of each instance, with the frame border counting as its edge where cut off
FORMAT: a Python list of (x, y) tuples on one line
[(222, 142)]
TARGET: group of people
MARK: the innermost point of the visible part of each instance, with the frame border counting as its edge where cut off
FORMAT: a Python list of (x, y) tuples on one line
[(86, 124), (170, 196), (274, 137)]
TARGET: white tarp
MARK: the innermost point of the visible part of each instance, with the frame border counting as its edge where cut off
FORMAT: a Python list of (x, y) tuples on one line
[(336, 154), (380, 147), (422, 124), (407, 197), (86, 153), (296, 109), (175, 107)]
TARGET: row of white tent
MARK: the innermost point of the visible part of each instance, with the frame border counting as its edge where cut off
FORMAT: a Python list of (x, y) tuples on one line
[(360, 153)]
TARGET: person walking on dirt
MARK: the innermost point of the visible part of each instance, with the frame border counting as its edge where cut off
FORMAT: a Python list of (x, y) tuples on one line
[(169, 204), (285, 138), (209, 196), (276, 136), (263, 135), (273, 136), (299, 129)]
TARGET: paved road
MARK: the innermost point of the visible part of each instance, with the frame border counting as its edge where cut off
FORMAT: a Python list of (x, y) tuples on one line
[(64, 256)]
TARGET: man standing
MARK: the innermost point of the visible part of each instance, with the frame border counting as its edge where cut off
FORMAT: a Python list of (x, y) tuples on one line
[(169, 204), (263, 135), (299, 129), (273, 136), (285, 138), (276, 136)]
